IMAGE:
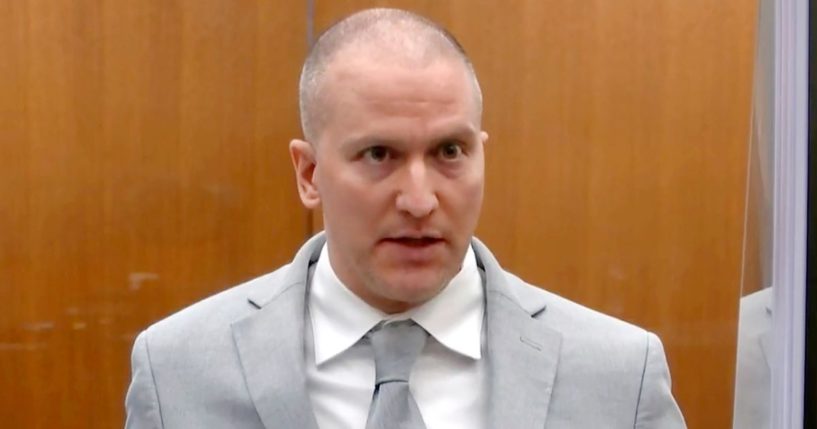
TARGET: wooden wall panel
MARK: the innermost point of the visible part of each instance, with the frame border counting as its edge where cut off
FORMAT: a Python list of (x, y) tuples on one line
[(616, 164), (143, 165)]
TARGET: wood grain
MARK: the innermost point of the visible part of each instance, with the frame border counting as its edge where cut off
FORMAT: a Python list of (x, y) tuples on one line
[(143, 166)]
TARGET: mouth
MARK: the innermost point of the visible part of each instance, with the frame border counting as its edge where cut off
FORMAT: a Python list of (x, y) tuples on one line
[(414, 242), (413, 249)]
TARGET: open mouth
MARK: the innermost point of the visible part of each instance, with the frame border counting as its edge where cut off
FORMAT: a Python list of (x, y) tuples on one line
[(414, 241)]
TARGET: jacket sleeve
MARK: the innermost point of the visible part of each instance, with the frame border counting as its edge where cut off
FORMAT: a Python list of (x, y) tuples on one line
[(656, 407), (142, 400)]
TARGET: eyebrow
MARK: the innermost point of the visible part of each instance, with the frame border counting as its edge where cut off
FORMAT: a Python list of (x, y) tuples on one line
[(459, 132)]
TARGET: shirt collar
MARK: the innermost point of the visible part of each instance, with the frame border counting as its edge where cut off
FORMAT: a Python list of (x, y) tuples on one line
[(454, 316), (340, 318)]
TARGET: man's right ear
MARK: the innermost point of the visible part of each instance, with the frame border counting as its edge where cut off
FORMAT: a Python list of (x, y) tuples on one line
[(305, 162)]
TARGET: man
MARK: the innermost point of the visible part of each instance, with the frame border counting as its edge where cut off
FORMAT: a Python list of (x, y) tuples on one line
[(395, 317)]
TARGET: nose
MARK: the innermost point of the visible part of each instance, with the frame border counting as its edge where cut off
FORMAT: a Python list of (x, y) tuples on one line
[(417, 196)]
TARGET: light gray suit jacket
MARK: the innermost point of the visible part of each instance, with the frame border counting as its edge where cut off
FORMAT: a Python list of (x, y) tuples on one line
[(236, 360), (753, 379)]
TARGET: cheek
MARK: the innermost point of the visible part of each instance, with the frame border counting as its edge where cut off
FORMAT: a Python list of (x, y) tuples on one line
[(464, 202), (471, 191), (474, 199), (351, 205)]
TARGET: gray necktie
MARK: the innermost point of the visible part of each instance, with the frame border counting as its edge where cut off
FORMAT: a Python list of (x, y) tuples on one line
[(396, 347)]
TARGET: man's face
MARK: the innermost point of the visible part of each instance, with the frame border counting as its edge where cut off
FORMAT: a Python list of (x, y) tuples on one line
[(398, 170)]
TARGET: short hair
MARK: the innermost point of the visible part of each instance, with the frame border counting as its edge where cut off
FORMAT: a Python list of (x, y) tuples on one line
[(392, 30)]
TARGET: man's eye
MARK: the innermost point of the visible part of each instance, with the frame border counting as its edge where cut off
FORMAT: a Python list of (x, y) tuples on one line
[(376, 153), (450, 151)]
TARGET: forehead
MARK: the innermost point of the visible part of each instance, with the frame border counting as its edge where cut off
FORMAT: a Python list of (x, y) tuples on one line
[(358, 84)]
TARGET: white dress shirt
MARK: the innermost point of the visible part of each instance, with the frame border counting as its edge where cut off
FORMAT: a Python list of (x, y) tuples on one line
[(448, 379)]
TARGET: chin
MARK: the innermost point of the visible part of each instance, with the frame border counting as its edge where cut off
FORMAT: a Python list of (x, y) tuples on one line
[(405, 288)]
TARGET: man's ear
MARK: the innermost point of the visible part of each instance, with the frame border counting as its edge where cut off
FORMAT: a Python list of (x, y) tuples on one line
[(304, 160), (483, 137)]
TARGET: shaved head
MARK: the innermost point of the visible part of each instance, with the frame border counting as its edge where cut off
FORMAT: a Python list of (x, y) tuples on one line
[(388, 35)]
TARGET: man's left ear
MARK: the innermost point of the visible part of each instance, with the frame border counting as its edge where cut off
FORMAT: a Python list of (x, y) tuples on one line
[(483, 137), (304, 161)]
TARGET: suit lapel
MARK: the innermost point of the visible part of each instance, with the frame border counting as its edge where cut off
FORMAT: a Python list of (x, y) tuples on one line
[(270, 344), (765, 338), (522, 353)]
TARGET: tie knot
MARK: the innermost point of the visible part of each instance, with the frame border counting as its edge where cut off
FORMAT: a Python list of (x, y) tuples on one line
[(396, 346)]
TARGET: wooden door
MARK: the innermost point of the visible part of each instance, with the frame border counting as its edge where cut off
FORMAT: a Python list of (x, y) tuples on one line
[(143, 166)]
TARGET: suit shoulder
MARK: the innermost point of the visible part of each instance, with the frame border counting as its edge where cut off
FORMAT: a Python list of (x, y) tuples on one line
[(216, 312), (593, 344), (568, 316)]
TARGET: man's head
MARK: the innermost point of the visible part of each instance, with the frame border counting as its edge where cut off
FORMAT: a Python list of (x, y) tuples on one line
[(393, 153)]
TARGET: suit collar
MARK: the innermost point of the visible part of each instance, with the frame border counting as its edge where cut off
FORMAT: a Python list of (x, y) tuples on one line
[(522, 352), (766, 337), (270, 345), (294, 274)]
